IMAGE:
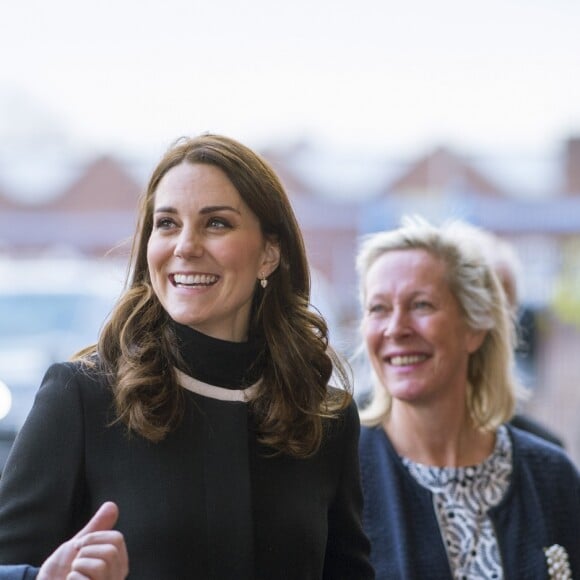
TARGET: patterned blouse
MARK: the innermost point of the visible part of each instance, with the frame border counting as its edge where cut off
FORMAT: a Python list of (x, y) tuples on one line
[(462, 496)]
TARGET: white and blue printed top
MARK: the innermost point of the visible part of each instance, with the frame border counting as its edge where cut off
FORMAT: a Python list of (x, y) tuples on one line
[(462, 497)]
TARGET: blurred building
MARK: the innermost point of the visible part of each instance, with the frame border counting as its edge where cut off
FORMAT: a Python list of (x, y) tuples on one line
[(336, 203), (91, 216)]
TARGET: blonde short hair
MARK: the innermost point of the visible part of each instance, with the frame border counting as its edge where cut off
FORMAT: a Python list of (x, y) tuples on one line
[(492, 383)]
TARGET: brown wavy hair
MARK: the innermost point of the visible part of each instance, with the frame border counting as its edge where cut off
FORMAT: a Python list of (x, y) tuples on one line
[(137, 349)]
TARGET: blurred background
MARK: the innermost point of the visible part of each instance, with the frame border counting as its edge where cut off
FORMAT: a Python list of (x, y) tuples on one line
[(367, 110)]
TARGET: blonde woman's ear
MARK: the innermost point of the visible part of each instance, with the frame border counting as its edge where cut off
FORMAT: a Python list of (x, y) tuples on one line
[(475, 340)]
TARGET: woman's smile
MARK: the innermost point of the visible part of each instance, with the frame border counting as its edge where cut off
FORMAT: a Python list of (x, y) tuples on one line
[(206, 251)]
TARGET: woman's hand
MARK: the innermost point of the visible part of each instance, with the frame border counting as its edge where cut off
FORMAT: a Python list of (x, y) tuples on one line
[(97, 552)]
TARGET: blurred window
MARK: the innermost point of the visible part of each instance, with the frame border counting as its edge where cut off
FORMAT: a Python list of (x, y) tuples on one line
[(23, 315)]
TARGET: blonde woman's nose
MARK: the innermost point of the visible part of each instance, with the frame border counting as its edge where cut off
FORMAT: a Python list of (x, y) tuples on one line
[(396, 324)]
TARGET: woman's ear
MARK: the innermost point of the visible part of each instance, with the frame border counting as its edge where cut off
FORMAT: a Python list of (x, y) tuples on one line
[(271, 257), (475, 339)]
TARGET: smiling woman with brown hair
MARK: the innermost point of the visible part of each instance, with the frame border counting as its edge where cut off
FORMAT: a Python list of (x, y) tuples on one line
[(204, 411)]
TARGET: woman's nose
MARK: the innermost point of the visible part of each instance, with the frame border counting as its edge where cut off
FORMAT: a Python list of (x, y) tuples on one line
[(396, 325), (189, 245)]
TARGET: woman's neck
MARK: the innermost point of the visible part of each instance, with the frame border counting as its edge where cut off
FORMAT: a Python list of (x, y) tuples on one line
[(432, 437), (218, 362)]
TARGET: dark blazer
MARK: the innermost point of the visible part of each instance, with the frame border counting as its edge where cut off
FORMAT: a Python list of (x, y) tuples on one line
[(206, 502), (541, 508), (18, 573), (527, 423)]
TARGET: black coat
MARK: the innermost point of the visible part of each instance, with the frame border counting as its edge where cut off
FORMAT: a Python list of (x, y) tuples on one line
[(204, 503)]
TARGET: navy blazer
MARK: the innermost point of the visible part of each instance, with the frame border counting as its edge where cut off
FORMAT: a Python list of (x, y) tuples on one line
[(18, 573), (541, 508)]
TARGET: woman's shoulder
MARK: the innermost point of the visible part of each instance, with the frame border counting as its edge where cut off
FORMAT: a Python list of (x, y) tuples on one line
[(77, 375), (340, 414), (544, 458), (532, 444), (372, 435), (71, 393), (339, 403), (376, 450)]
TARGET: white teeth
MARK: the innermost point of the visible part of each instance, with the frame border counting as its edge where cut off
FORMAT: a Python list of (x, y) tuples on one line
[(400, 361), (194, 279)]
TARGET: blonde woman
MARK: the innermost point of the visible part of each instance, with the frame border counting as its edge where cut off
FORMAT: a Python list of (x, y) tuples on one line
[(450, 490)]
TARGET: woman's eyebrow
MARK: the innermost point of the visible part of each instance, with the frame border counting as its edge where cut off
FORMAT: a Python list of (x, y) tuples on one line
[(165, 209), (204, 210), (213, 208)]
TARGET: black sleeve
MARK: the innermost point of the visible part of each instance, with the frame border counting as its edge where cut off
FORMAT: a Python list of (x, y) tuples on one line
[(41, 486), (347, 551)]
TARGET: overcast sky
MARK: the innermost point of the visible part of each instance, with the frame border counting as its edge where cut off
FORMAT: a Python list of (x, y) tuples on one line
[(378, 74)]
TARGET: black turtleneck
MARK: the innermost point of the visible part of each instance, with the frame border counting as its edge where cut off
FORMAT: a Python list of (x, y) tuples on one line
[(232, 365), (224, 444)]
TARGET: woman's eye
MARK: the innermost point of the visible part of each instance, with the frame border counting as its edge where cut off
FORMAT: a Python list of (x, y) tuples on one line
[(422, 305), (218, 223), (376, 308), (164, 223)]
